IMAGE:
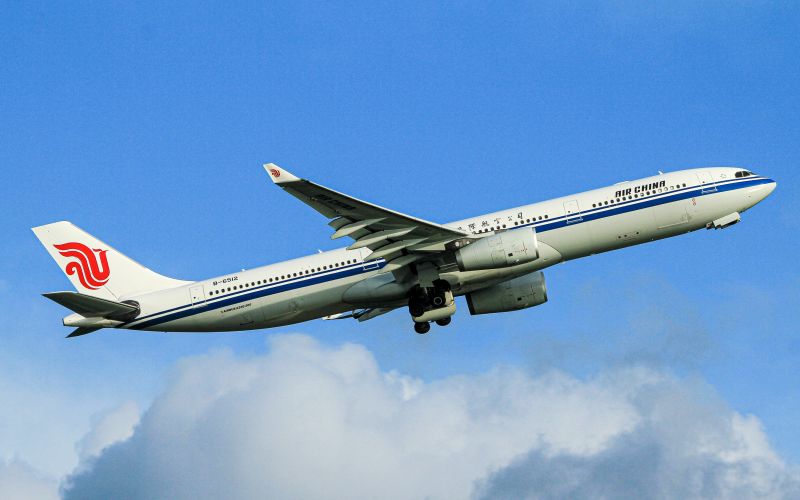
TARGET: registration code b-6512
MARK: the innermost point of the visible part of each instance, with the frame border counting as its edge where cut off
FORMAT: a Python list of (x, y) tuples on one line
[(226, 280)]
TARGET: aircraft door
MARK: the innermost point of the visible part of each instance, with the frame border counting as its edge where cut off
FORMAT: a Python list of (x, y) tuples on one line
[(572, 211), (706, 182), (198, 296), (368, 266)]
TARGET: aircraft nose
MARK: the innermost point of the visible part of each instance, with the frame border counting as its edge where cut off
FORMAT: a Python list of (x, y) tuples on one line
[(770, 188), (758, 193)]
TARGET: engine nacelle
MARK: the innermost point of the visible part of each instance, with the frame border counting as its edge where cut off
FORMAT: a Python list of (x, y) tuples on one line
[(506, 249), (519, 293)]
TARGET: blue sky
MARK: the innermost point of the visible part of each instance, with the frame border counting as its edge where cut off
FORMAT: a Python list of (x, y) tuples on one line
[(146, 125)]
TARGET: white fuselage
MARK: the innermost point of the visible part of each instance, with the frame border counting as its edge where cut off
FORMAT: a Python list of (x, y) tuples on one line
[(567, 228)]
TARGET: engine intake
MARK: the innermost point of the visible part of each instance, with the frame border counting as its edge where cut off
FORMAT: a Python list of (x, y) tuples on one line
[(520, 293), (506, 249)]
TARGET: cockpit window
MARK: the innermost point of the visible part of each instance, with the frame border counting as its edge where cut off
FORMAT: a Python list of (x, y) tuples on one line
[(744, 173)]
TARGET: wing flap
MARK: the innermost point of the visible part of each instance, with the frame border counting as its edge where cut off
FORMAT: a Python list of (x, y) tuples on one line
[(353, 227), (379, 236), (399, 262), (391, 248)]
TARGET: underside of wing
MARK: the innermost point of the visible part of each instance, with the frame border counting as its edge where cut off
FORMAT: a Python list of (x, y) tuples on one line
[(363, 315), (397, 238)]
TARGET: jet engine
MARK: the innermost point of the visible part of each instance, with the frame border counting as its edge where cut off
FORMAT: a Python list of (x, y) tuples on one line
[(520, 293), (505, 249)]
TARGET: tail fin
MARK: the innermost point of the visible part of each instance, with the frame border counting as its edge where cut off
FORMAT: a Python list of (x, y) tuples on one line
[(96, 269)]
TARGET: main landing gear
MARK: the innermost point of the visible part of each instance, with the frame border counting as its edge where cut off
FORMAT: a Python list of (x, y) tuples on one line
[(431, 304)]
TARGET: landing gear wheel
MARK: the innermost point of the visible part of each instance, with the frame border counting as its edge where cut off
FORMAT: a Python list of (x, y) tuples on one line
[(416, 308), (438, 300), (422, 327), (444, 322)]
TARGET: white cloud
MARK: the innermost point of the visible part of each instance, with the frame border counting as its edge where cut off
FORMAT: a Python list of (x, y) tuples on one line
[(108, 428), (305, 421), (18, 481)]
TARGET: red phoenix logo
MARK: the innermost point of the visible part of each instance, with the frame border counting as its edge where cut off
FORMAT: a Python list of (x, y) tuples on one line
[(87, 267), (274, 172)]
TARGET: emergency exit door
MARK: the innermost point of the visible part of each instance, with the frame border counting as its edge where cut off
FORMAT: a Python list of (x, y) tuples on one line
[(572, 212), (706, 182), (198, 297)]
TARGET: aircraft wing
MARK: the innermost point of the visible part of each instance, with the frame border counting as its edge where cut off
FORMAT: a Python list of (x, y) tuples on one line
[(398, 238)]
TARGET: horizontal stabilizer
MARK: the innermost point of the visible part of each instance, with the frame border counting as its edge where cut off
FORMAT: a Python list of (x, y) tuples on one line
[(89, 307), (82, 331)]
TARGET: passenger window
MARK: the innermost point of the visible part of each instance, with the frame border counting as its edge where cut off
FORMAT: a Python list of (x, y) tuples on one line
[(540, 218), (504, 226), (533, 219), (229, 289)]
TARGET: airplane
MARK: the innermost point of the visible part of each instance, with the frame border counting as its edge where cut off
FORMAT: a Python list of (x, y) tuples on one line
[(395, 260)]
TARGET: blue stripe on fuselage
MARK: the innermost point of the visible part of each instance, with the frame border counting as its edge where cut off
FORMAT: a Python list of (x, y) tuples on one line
[(248, 294)]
